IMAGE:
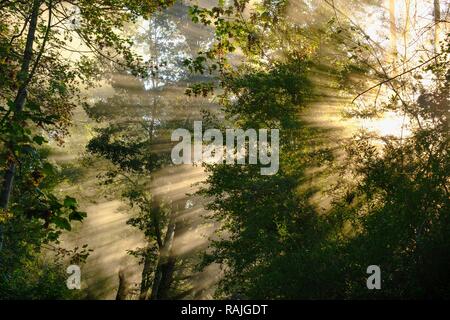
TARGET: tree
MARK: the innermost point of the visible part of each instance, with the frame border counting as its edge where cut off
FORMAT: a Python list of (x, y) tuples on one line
[(399, 186), (94, 29), (263, 219), (437, 23), (393, 34), (140, 116), (40, 87), (391, 205), (19, 101)]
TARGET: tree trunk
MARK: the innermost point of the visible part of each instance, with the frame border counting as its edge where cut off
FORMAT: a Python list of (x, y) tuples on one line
[(124, 287), (146, 281), (21, 97), (164, 262), (147, 272), (167, 277), (437, 22), (406, 32), (393, 35), (157, 226), (19, 104)]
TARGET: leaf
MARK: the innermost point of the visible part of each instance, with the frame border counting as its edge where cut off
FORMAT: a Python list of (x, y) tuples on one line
[(53, 236), (33, 106), (62, 223), (39, 140), (77, 216), (48, 169), (70, 203)]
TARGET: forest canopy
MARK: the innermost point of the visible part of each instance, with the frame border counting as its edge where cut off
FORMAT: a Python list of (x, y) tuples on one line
[(91, 92)]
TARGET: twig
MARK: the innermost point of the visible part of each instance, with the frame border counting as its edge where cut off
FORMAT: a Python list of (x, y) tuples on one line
[(397, 76)]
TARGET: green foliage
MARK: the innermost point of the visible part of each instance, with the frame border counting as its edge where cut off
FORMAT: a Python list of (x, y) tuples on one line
[(404, 208), (40, 280), (391, 202), (264, 219), (45, 75)]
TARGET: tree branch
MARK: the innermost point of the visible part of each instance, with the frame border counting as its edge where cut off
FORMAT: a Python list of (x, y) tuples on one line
[(397, 76)]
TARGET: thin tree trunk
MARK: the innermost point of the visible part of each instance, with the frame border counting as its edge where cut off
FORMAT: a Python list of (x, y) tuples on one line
[(19, 104), (146, 281), (437, 22), (157, 226), (21, 96), (164, 260), (167, 277), (406, 32), (393, 34), (155, 76)]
